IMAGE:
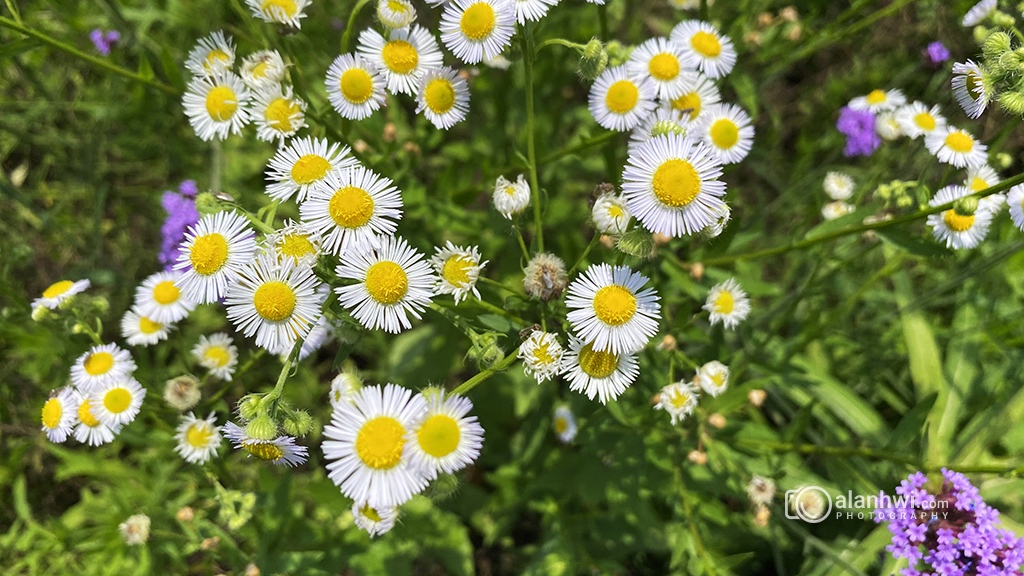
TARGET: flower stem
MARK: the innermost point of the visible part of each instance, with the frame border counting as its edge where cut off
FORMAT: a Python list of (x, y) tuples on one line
[(350, 25), (586, 251), (484, 375), (525, 36)]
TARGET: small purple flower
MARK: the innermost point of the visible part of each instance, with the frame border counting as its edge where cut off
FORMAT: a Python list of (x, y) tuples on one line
[(181, 214), (188, 188), (859, 128), (104, 40), (937, 53)]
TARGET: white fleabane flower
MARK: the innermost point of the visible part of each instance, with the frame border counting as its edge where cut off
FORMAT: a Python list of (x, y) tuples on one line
[(447, 438), (728, 304), (665, 63), (477, 29), (59, 292), (542, 355), (213, 254), (211, 55), (198, 439), (281, 451), (979, 12), (138, 330), (879, 101), (396, 13), (957, 147), (290, 12), (374, 521), (216, 105), (277, 113), (714, 51), (218, 354), (610, 214), (354, 87), (302, 163), (620, 102), (679, 400), (1015, 198), (564, 423), (159, 298), (598, 374), (403, 57), (60, 414), (352, 209), (835, 209), (101, 365), (838, 185), (887, 126), (117, 403), (699, 92), (457, 270), (610, 309), (263, 69), (727, 131), (713, 377), (511, 198), (955, 230), (918, 120), (969, 88), (443, 97)]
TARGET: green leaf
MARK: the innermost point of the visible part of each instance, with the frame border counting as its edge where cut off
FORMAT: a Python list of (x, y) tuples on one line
[(13, 48), (169, 65), (913, 243)]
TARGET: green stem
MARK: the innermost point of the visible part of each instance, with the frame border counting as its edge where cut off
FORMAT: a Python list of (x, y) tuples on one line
[(253, 357), (347, 37), (97, 62), (522, 243), (484, 375), (497, 284), (586, 251), (560, 42), (526, 37), (254, 220), (216, 157)]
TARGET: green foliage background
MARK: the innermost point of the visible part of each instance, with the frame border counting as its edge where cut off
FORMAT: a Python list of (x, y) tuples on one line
[(879, 356)]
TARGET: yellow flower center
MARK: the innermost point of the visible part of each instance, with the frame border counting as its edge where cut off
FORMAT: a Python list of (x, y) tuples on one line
[(561, 425), (542, 355), (356, 85), (198, 435), (166, 292), (279, 114), (117, 400), (296, 246), (978, 184), (689, 101), (85, 415), (396, 6), (718, 378), (615, 211), (925, 121), (380, 442), (214, 56), (957, 222), (876, 97), (370, 513), (400, 56), (974, 86), (597, 364), (456, 270), (386, 282), (264, 450), (280, 8), (664, 66), (208, 253), (478, 21), (274, 301), (679, 399), (147, 326), (98, 363), (724, 133), (259, 70), (309, 168), (959, 142), (53, 410), (217, 355), (439, 436), (614, 305), (350, 207), (622, 97), (439, 95), (676, 183), (57, 288), (706, 44), (221, 103), (724, 303)]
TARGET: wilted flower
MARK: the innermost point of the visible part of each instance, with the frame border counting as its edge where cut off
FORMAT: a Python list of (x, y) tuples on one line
[(545, 276), (135, 530)]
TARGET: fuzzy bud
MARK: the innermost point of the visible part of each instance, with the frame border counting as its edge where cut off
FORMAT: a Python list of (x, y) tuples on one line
[(618, 53), (249, 406), (637, 243), (78, 328), (1002, 19), (207, 203), (1002, 161), (182, 392), (40, 313), (298, 423), (262, 427), (485, 351), (1012, 102), (980, 34), (966, 206), (996, 44), (545, 277), (443, 487), (593, 60)]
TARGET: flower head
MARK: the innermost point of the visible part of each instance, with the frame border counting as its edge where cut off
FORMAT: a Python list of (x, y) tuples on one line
[(859, 128)]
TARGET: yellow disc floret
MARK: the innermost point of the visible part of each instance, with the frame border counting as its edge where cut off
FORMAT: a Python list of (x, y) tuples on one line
[(676, 183), (439, 435), (622, 96), (380, 442), (221, 103), (614, 305), (386, 282), (478, 21), (274, 301), (597, 364)]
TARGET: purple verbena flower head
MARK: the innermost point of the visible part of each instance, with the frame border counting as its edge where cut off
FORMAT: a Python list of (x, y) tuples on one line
[(181, 214), (104, 40), (859, 128), (937, 53)]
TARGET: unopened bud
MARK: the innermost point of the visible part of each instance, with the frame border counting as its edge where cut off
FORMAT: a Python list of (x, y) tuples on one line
[(249, 406), (717, 420), (697, 457), (696, 271), (668, 343), (593, 60), (761, 516), (207, 203), (209, 543), (757, 397), (40, 312), (966, 206), (607, 241), (1002, 19), (186, 514), (360, 146), (298, 423), (660, 239), (1012, 102), (996, 44), (261, 427), (390, 132), (252, 570), (485, 350)]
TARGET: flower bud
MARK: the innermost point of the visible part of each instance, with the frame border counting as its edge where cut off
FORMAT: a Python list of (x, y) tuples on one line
[(1012, 102), (262, 427), (697, 457), (1002, 19), (185, 514), (207, 203), (717, 420), (618, 53), (40, 312), (996, 44), (637, 243), (593, 60), (757, 397), (668, 343), (966, 206), (249, 406), (485, 351), (298, 423)]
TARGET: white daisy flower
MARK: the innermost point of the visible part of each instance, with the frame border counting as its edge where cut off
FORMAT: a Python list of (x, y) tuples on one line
[(59, 292), (511, 198), (443, 97), (958, 231), (352, 209), (281, 451), (981, 178), (101, 365), (396, 13), (713, 50), (918, 120), (211, 55), (447, 438), (879, 101), (135, 529), (665, 63), (564, 423), (532, 10), (344, 387), (218, 354), (276, 303), (374, 521), (619, 102), (403, 57), (671, 185), (541, 355), (354, 87), (722, 216), (726, 130), (713, 377), (887, 126), (956, 147), (610, 308), (610, 214), (836, 209), (679, 400), (216, 105), (838, 186), (297, 242), (969, 88), (278, 113), (262, 70), (979, 12), (198, 439), (89, 429), (288, 12), (59, 414), (139, 330), (117, 403), (214, 252), (595, 373), (457, 270), (160, 299), (728, 304), (1015, 198), (302, 163), (477, 29), (367, 446), (665, 120), (699, 92), (394, 282)]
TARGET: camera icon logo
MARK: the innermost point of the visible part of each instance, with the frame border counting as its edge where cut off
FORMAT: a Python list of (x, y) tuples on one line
[(812, 504)]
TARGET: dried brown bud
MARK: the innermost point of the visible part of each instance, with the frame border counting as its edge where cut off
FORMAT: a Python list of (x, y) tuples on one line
[(411, 147), (545, 277), (668, 343), (789, 14), (210, 543), (252, 570), (696, 270), (717, 420), (360, 146), (390, 132), (757, 397), (697, 457), (765, 19), (185, 514), (660, 239), (795, 32), (753, 37), (607, 241), (761, 516)]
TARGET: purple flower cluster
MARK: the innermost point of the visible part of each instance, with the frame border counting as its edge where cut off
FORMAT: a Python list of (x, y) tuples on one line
[(937, 53), (181, 214), (104, 40), (859, 128), (951, 533)]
